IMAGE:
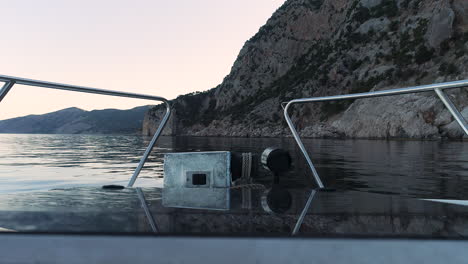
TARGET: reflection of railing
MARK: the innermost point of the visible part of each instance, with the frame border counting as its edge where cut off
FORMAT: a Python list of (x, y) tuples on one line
[(437, 88), (10, 81)]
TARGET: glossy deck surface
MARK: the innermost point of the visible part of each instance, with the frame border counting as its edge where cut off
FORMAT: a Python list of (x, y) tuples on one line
[(331, 213)]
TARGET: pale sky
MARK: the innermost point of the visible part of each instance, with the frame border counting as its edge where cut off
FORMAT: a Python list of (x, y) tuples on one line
[(156, 47)]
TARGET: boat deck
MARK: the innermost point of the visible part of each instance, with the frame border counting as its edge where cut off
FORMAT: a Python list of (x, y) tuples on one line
[(330, 213)]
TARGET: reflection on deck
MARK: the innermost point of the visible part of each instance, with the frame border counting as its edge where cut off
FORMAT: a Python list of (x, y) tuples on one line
[(335, 213)]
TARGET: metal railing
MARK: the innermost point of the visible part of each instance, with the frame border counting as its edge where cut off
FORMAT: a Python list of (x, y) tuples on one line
[(11, 81), (437, 88)]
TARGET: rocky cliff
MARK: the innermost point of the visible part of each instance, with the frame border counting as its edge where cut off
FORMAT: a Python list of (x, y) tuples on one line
[(328, 47)]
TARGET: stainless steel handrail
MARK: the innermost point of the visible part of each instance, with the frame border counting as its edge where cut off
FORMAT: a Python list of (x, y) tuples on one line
[(437, 88), (11, 81)]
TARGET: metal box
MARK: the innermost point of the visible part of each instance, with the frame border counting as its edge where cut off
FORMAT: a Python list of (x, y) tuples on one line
[(197, 180)]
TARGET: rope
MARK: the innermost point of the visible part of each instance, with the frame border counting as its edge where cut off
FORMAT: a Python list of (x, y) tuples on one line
[(253, 186), (246, 165), (245, 182)]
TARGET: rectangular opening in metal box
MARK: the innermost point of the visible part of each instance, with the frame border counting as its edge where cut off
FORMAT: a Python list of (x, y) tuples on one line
[(199, 179)]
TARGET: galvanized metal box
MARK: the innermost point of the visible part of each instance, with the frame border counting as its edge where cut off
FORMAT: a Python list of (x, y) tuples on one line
[(197, 180)]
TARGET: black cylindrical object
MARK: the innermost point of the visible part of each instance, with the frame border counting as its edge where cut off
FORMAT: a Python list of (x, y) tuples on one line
[(276, 160)]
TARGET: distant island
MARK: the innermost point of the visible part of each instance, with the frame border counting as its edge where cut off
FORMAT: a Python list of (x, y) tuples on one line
[(77, 121)]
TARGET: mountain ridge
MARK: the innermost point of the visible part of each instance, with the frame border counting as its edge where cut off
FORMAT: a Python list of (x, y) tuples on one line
[(74, 120)]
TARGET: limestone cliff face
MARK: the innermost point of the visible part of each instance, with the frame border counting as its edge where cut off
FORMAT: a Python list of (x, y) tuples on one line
[(327, 47)]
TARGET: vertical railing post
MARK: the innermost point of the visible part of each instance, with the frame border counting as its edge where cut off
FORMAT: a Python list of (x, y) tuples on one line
[(151, 145), (301, 146), (5, 89), (453, 109)]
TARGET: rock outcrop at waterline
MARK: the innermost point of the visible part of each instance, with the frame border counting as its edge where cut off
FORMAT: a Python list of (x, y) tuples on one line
[(318, 48)]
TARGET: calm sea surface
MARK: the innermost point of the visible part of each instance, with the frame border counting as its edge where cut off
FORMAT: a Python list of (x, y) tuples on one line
[(423, 169)]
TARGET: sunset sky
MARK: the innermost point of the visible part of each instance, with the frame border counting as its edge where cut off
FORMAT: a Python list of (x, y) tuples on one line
[(164, 48)]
